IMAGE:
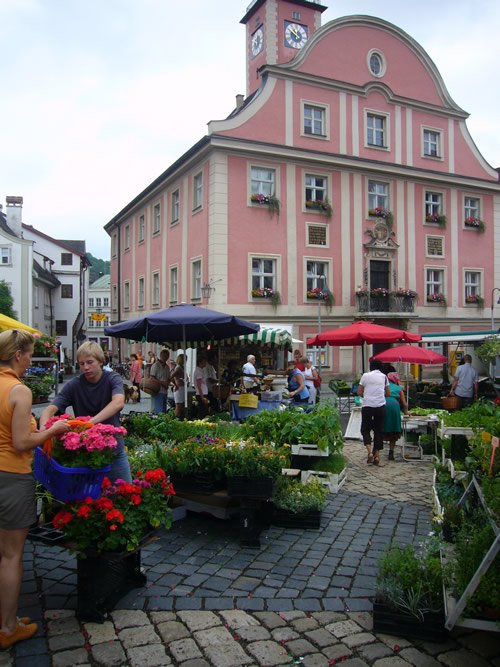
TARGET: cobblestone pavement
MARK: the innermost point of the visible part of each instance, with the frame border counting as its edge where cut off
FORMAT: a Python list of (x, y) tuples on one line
[(305, 597)]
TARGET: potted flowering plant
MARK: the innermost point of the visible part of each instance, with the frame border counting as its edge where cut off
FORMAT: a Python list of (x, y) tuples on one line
[(381, 212), (45, 346), (323, 206), (272, 202), (436, 218), (197, 465), (474, 222), (362, 291), (251, 469), (379, 292), (436, 298), (85, 444), (119, 519), (298, 505), (40, 381), (404, 292), (267, 293)]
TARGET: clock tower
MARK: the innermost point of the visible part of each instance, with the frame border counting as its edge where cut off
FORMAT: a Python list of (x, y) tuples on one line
[(276, 30)]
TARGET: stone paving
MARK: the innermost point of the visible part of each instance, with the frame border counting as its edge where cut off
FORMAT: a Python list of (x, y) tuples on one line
[(305, 597)]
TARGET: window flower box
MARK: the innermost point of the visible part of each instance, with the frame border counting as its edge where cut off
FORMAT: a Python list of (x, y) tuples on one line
[(381, 212), (267, 293), (473, 222), (436, 298), (475, 299), (321, 206), (436, 218), (321, 295), (404, 292), (272, 202)]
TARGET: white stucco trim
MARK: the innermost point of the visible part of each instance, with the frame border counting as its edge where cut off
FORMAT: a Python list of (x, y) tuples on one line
[(410, 226), (455, 275), (289, 113), (451, 145), (217, 255), (409, 137), (401, 236), (357, 240), (291, 229), (496, 241), (343, 122), (355, 125), (398, 138)]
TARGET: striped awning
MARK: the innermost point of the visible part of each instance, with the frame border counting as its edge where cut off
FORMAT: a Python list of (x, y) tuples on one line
[(265, 336)]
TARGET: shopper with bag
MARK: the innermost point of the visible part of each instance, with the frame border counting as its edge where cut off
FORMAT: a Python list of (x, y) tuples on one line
[(311, 376)]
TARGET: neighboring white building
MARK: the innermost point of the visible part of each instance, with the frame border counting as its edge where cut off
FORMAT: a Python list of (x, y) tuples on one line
[(48, 278), (99, 310), (16, 259)]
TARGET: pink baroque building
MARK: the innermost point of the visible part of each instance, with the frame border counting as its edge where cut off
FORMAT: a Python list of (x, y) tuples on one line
[(344, 185)]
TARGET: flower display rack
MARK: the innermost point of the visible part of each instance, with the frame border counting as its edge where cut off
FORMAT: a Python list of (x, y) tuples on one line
[(454, 608)]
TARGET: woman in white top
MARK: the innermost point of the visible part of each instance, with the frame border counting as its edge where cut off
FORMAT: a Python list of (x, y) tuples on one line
[(178, 379), (310, 374)]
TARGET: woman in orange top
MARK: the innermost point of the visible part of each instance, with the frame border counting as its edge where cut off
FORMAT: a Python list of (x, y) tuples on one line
[(18, 438)]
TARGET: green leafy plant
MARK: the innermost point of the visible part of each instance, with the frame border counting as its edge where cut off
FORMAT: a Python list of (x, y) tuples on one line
[(320, 427), (250, 459), (489, 349), (295, 497), (333, 464), (40, 381), (410, 579)]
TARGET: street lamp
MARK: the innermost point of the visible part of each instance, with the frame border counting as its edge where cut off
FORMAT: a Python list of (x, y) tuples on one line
[(208, 288), (321, 283), (495, 289)]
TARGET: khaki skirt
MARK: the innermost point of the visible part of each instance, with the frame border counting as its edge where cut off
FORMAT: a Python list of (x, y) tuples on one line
[(17, 500)]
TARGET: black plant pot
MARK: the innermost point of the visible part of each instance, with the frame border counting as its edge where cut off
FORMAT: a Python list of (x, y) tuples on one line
[(400, 624), (250, 487), (285, 519), (204, 483)]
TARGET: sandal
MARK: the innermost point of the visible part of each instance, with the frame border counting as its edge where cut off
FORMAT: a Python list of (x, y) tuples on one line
[(370, 458), (376, 460)]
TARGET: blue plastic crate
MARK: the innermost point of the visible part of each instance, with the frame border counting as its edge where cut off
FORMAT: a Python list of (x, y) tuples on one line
[(67, 484)]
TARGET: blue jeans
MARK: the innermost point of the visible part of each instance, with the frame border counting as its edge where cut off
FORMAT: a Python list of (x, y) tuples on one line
[(159, 403), (120, 468)]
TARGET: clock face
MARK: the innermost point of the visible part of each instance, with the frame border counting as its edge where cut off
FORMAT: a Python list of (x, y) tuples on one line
[(295, 35), (257, 42)]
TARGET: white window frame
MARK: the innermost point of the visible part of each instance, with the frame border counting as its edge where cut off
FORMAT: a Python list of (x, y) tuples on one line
[(157, 218), (471, 286), (126, 237), (443, 241), (307, 110), (259, 184), (318, 192), (198, 191), (91, 301), (126, 295), (114, 298), (378, 193), (155, 289), (196, 275), (428, 142), (430, 280), (470, 210), (372, 115), (326, 226), (433, 204), (98, 302), (6, 254), (175, 206), (105, 302), (263, 275), (313, 352), (141, 230), (141, 292), (380, 56), (312, 274), (173, 284)]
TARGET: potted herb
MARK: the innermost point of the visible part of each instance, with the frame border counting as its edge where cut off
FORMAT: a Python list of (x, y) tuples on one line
[(409, 593), (298, 505)]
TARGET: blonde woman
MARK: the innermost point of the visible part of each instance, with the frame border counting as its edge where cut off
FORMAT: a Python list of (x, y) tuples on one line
[(18, 439)]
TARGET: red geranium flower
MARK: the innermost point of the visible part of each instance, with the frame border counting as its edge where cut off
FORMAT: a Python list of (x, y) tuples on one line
[(84, 511), (155, 475), (103, 504), (115, 515), (61, 519)]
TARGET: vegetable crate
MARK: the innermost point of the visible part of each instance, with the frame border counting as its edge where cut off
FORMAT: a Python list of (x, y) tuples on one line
[(333, 481), (67, 484)]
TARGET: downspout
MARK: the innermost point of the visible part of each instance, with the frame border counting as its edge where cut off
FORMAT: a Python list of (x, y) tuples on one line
[(119, 290)]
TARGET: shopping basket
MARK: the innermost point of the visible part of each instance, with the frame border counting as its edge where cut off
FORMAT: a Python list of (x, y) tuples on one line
[(67, 484)]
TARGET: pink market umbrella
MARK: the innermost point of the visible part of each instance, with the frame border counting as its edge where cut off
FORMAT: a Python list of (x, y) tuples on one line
[(411, 354)]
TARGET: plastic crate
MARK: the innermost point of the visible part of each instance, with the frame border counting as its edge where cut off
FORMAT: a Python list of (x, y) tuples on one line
[(270, 396), (67, 484)]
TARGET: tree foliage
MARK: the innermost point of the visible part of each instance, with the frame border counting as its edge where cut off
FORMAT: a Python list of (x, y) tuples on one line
[(99, 267), (6, 301)]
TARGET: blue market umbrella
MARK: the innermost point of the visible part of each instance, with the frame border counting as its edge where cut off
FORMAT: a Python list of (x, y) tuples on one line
[(186, 324)]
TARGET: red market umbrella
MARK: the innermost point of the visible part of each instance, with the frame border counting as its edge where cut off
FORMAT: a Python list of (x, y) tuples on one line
[(411, 354), (361, 332)]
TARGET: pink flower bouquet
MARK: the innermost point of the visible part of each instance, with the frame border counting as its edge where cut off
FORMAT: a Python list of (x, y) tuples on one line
[(85, 444)]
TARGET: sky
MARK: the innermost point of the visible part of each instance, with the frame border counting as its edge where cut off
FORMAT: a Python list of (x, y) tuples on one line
[(99, 97)]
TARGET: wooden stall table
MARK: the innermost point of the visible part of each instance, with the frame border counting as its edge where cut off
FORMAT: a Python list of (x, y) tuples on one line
[(240, 412)]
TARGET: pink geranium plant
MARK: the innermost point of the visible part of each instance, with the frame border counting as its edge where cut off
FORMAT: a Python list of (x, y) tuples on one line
[(85, 444)]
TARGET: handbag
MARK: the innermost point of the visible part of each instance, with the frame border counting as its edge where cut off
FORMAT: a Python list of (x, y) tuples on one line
[(317, 382), (150, 385)]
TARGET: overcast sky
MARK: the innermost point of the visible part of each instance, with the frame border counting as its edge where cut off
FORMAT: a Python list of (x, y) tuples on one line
[(100, 96)]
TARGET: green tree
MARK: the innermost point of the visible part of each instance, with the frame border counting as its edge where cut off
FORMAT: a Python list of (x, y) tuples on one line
[(6, 301), (99, 267)]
